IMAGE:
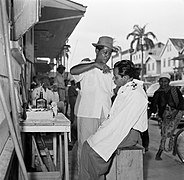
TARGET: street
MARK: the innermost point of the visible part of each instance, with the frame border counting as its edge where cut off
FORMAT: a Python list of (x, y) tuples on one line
[(170, 168)]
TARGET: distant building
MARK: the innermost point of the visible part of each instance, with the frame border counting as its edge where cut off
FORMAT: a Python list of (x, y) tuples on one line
[(120, 56), (169, 63), (153, 63), (136, 58), (162, 58)]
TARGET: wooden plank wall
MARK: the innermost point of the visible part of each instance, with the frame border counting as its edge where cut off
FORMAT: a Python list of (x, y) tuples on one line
[(4, 131)]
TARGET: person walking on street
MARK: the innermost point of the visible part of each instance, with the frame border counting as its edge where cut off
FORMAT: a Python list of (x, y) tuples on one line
[(96, 89), (55, 98), (122, 127), (72, 95), (60, 81), (168, 103)]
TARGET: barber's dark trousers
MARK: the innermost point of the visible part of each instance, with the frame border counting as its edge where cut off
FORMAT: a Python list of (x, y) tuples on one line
[(145, 139)]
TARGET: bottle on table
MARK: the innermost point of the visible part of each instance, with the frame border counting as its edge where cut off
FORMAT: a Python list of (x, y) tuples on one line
[(41, 102)]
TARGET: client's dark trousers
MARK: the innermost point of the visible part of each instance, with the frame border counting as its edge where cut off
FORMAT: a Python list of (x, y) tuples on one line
[(93, 167)]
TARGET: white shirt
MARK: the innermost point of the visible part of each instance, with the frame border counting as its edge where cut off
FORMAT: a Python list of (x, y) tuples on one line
[(96, 92), (59, 80), (129, 110), (55, 96)]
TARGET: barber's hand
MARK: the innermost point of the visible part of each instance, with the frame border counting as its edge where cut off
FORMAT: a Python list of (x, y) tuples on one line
[(106, 69), (103, 67)]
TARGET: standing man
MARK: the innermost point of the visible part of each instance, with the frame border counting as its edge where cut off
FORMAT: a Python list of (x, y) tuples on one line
[(96, 89), (72, 95), (60, 81)]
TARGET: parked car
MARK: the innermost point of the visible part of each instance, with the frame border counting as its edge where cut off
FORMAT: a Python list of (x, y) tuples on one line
[(152, 88)]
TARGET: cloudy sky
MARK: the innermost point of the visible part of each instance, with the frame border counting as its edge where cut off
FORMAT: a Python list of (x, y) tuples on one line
[(116, 18)]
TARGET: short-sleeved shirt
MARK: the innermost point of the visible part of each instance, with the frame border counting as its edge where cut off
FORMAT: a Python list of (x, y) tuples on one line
[(96, 92), (59, 80)]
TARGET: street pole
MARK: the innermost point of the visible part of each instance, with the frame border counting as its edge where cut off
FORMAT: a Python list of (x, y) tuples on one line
[(142, 73)]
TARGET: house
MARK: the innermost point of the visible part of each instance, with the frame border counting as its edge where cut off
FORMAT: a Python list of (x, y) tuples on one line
[(120, 56), (153, 63), (151, 60), (172, 49), (137, 56)]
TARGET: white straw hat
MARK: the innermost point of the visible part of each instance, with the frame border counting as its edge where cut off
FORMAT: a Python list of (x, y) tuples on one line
[(105, 41), (165, 75)]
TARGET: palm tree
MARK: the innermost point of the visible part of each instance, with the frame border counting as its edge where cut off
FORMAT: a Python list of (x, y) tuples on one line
[(142, 41)]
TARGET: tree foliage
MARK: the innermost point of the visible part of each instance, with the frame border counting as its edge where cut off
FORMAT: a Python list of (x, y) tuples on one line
[(141, 38)]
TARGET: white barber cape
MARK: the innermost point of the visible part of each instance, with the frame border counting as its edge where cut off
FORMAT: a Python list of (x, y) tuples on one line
[(129, 110)]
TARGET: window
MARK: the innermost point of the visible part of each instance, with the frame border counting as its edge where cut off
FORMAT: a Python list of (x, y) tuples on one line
[(174, 62), (168, 47), (164, 63), (148, 67), (153, 66), (169, 62)]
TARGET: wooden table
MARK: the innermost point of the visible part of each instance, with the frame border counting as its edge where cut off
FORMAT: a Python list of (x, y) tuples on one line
[(44, 122)]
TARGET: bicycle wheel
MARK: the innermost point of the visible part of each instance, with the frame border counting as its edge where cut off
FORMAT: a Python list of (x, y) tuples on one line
[(179, 145)]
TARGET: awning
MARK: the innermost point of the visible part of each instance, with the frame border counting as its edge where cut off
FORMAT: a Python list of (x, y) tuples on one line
[(26, 14), (57, 21)]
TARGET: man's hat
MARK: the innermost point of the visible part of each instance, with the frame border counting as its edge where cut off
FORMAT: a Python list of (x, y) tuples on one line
[(165, 75), (105, 41)]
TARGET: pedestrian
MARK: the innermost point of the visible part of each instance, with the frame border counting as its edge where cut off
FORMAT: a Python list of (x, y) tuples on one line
[(60, 81), (72, 95), (96, 89), (55, 99), (122, 127), (168, 103)]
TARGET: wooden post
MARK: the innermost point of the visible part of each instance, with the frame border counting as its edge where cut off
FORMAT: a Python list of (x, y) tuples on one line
[(13, 135)]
